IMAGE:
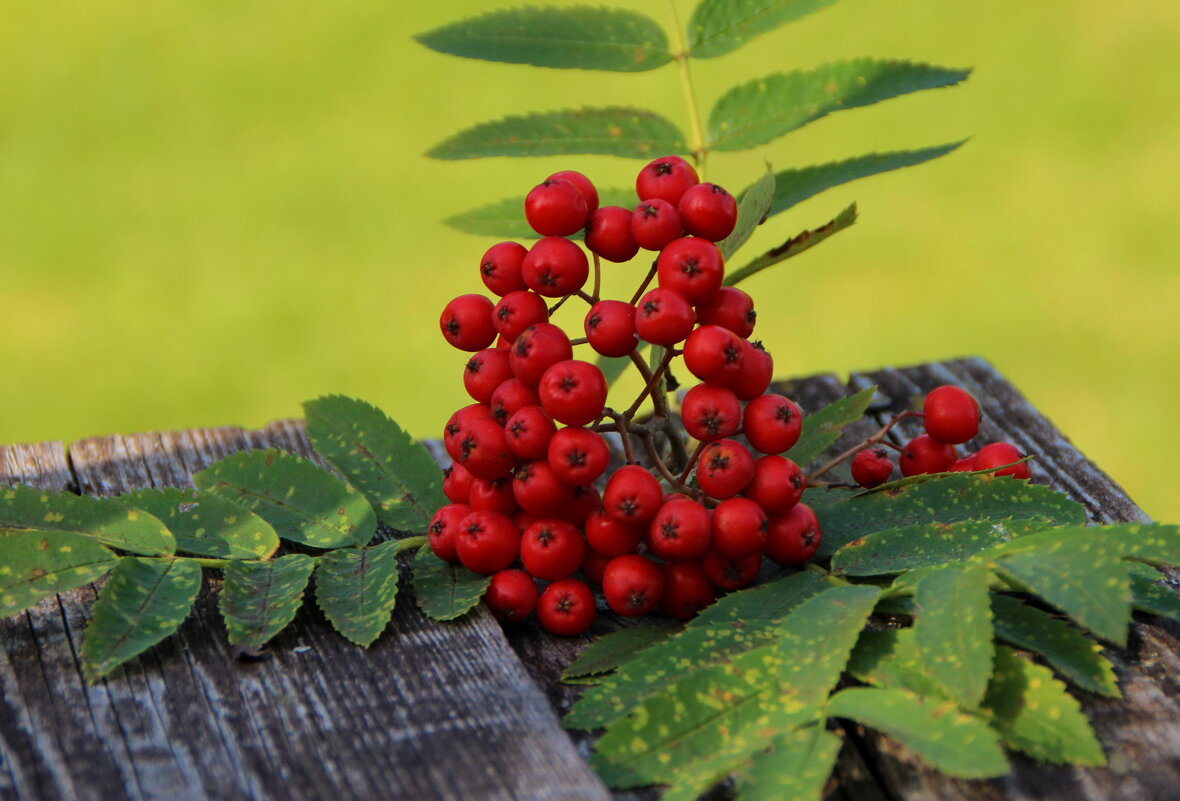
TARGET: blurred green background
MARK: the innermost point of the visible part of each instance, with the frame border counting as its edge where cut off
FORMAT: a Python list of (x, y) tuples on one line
[(212, 211)]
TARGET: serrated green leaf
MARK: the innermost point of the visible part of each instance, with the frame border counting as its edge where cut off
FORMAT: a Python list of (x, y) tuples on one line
[(736, 623), (953, 631), (793, 246), (304, 503), (845, 516), (144, 601), (1034, 714), (611, 650), (1071, 653), (753, 205), (36, 565), (823, 427), (395, 473), (356, 588), (259, 599), (795, 767), (579, 37), (206, 525), (103, 519), (947, 738), (444, 590), (718, 27), (505, 218), (796, 185), (615, 131), (1153, 543), (890, 659), (764, 109), (1151, 593), (896, 550)]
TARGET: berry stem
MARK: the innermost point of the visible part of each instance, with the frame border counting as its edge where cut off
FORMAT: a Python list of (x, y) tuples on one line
[(699, 150), (649, 444), (643, 286), (597, 278), (579, 341), (875, 439), (651, 378), (621, 427), (692, 461), (831, 578)]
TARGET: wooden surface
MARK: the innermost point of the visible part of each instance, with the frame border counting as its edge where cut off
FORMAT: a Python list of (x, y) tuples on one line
[(460, 710)]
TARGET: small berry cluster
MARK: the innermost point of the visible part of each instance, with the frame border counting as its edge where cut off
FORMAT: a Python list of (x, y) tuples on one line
[(527, 485)]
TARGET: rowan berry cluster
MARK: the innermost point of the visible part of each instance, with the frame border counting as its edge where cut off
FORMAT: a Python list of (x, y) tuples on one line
[(529, 486)]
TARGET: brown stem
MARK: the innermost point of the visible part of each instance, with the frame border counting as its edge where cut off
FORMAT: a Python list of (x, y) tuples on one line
[(579, 341), (692, 460), (875, 439), (591, 300), (639, 292), (597, 278), (649, 445), (652, 379)]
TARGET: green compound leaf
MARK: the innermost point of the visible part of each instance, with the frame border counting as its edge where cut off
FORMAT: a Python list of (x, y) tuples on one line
[(736, 623), (397, 475), (36, 565), (1151, 593), (1033, 713), (953, 631), (304, 503), (794, 246), (753, 205), (845, 516), (144, 601), (890, 659), (259, 599), (795, 767), (505, 218), (103, 519), (718, 27), (581, 37), (357, 587), (710, 721), (1153, 543), (822, 428), (948, 739), (445, 591), (1071, 653), (764, 109), (611, 650), (796, 185), (897, 550), (627, 132), (206, 525)]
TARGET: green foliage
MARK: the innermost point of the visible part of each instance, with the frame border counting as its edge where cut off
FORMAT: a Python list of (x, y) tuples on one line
[(37, 565), (822, 428), (109, 522), (1150, 593), (446, 591), (259, 599), (753, 205), (896, 550), (797, 244), (611, 650), (304, 503), (794, 767), (503, 218), (357, 587), (953, 631), (566, 38), (718, 27), (206, 525)]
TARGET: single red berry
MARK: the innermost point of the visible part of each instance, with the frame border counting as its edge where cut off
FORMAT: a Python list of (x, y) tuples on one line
[(487, 542), (511, 596), (538, 490), (500, 268), (444, 528), (555, 266), (552, 549), (610, 328), (494, 495), (584, 185), (483, 449), (510, 397), (728, 307), (555, 208), (475, 411), (691, 266), (925, 454), (485, 371), (466, 323), (609, 537), (708, 211), (457, 483), (664, 317), (632, 495), (609, 234), (667, 178), (739, 528), (951, 415), (538, 348), (964, 465), (793, 537), (772, 423), (724, 468), (687, 590), (632, 585), (777, 485), (998, 454), (714, 355), (655, 223), (871, 467), (573, 392), (566, 607), (680, 530), (586, 499), (529, 430), (594, 566), (756, 373), (731, 574), (516, 311), (710, 413), (578, 455)]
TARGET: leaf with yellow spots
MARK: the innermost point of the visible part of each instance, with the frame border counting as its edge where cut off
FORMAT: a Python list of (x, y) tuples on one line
[(259, 599), (207, 525), (953, 631), (795, 767), (720, 26), (890, 659), (1033, 713), (103, 519), (445, 591), (1151, 592), (948, 739), (36, 565), (304, 503), (897, 550), (144, 601), (611, 650), (357, 587)]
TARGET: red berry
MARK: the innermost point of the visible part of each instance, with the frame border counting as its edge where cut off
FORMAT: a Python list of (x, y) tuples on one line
[(538, 490), (483, 449), (655, 223), (516, 311), (578, 455), (731, 574), (554, 267), (792, 538), (457, 483), (610, 328), (680, 530), (714, 355), (443, 529), (666, 178), (510, 397), (538, 348), (728, 307), (566, 607), (610, 537), (529, 430), (511, 595), (964, 465), (756, 373), (777, 485), (739, 528), (687, 589), (487, 542), (998, 454), (594, 566), (573, 392), (500, 268), (556, 208), (632, 585), (632, 495), (772, 423), (710, 413), (951, 415), (664, 317), (586, 499), (871, 467), (493, 495), (584, 185), (552, 549), (691, 266), (484, 372), (609, 234), (724, 468), (925, 454), (466, 323), (476, 411), (708, 211)]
